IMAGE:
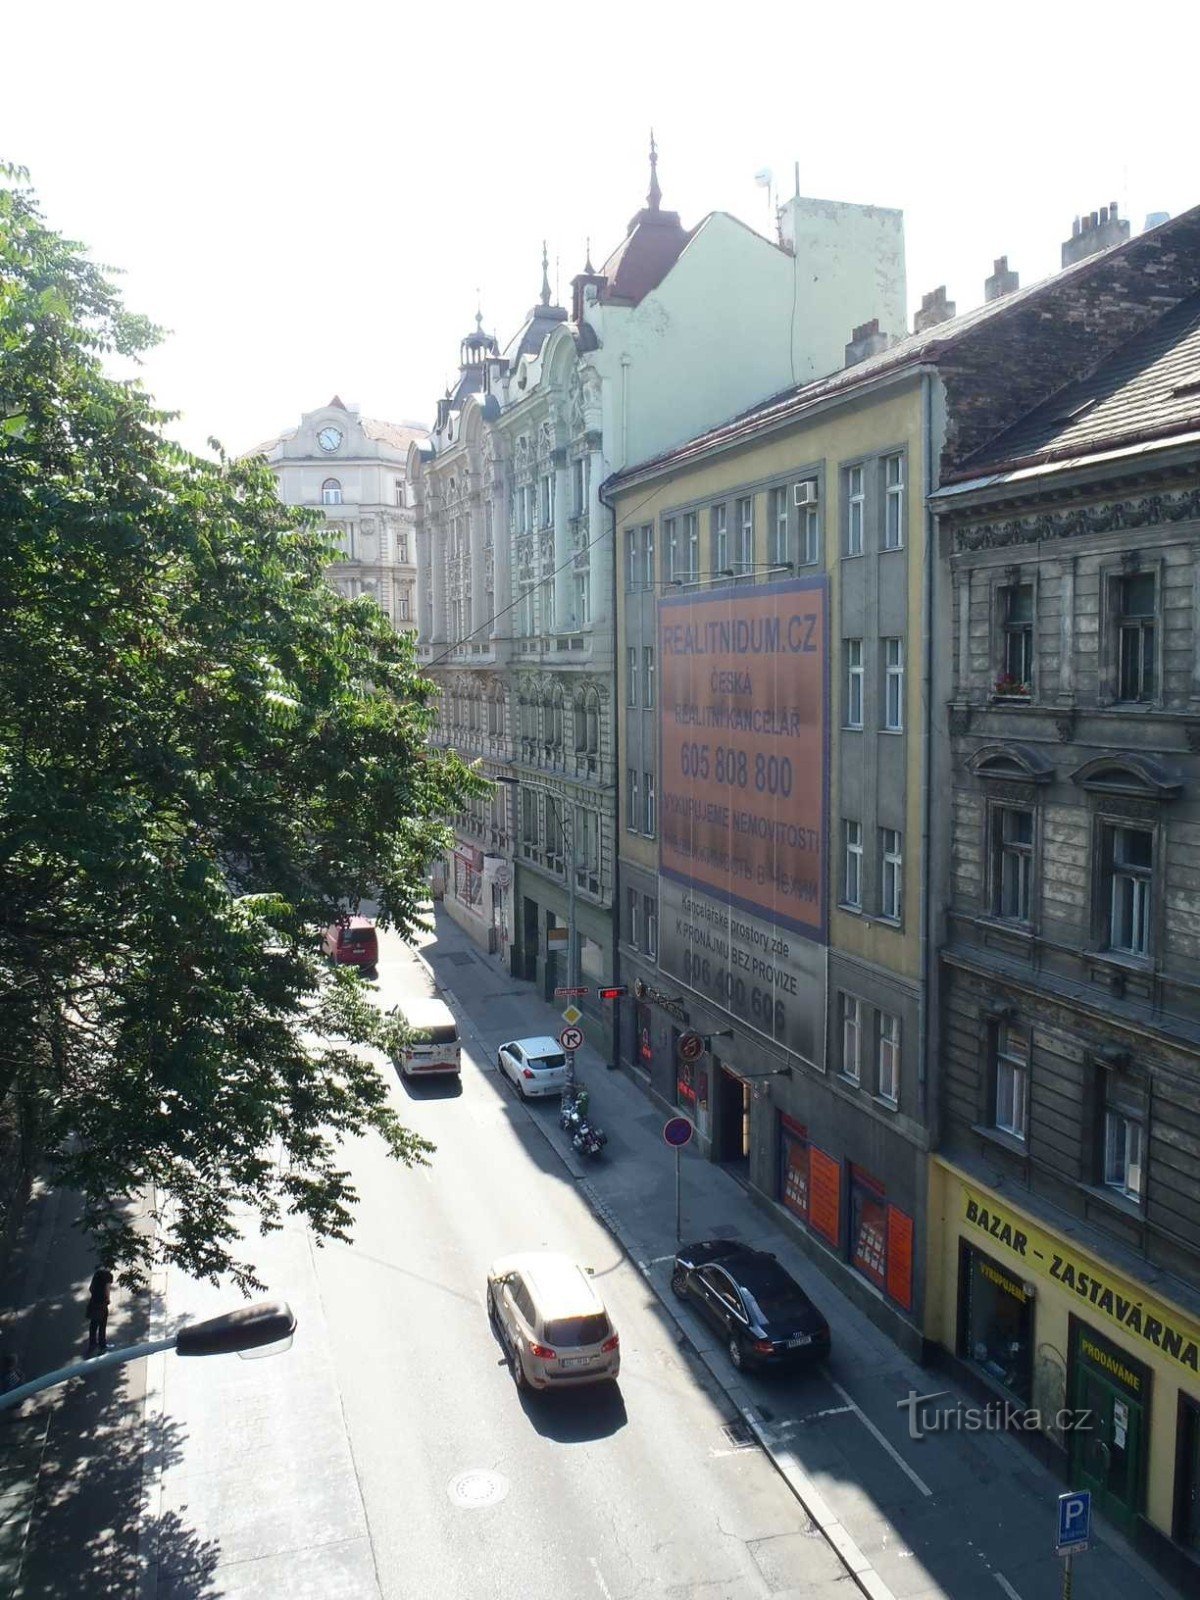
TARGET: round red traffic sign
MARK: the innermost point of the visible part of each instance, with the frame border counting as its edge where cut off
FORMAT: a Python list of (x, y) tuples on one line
[(571, 1038), (690, 1046), (677, 1131)]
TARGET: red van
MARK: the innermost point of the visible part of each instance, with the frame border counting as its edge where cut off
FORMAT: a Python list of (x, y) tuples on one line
[(352, 942)]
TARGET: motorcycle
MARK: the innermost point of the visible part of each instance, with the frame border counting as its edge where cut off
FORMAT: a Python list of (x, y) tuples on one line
[(573, 1110), (588, 1140)]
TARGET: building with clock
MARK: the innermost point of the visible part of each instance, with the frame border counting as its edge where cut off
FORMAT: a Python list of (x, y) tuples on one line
[(354, 469)]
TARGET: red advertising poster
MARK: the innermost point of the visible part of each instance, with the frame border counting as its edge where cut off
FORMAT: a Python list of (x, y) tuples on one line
[(685, 1083), (869, 1252), (824, 1195), (899, 1256), (795, 1178), (744, 747)]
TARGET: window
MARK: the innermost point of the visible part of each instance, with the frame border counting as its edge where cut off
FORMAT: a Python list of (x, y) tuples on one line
[(633, 800), (554, 835), (631, 675), (1012, 863), (850, 1010), (633, 562), (399, 487), (743, 556), (1017, 674), (331, 492), (587, 724), (1130, 872), (1123, 1153), (579, 486), (852, 868), (546, 500), (581, 597), (650, 910), (719, 527), (648, 820), (893, 510), (648, 557), (402, 547), (402, 607), (1012, 1080), (648, 675), (888, 1058), (781, 541), (674, 554), (634, 930), (854, 682), (691, 547), (891, 887), (893, 685), (810, 522), (587, 849), (529, 827), (856, 508), (1135, 637)]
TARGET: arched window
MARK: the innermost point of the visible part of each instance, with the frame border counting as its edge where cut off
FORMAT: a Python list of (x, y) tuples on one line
[(554, 728), (587, 727), (331, 492)]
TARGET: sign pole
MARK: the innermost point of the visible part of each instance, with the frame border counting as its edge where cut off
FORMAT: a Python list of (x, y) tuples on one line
[(678, 1226), (1066, 1583)]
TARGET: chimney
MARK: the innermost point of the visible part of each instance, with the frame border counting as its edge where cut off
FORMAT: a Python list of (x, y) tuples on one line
[(1094, 233), (865, 341), (935, 308), (1002, 281)]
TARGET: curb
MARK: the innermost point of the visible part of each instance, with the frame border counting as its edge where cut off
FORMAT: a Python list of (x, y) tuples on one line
[(809, 1498)]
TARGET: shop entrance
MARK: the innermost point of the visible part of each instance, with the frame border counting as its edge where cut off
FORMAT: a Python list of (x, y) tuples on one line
[(1187, 1476), (529, 939), (733, 1119), (1108, 1446)]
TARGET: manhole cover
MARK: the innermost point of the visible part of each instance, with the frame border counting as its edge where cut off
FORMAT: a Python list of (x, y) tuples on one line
[(477, 1488)]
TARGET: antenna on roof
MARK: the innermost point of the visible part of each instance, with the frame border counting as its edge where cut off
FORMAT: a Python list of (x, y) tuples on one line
[(797, 180), (765, 179)]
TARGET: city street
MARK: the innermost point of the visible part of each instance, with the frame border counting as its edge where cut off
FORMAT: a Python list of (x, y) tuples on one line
[(389, 1452)]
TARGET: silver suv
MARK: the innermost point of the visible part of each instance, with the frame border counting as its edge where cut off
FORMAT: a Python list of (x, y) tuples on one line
[(552, 1323)]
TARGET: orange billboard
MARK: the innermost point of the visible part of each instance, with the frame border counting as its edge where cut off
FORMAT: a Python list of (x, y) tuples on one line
[(744, 747)]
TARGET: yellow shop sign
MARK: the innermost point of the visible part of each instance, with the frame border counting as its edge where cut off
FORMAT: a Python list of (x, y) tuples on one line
[(1107, 1295)]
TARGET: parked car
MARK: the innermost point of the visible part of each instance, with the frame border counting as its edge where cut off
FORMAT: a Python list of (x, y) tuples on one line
[(536, 1066), (552, 1322), (433, 1044), (763, 1314), (352, 942)]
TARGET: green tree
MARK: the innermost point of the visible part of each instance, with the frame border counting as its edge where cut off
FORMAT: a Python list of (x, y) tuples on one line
[(205, 756)]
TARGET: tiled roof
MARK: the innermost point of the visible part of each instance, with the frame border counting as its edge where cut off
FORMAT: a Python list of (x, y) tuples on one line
[(1150, 386), (399, 434), (644, 257)]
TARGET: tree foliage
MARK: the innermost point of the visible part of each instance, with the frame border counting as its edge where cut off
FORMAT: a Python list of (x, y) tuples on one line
[(206, 754)]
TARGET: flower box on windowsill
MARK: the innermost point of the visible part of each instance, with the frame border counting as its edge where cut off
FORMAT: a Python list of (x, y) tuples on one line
[(1006, 689)]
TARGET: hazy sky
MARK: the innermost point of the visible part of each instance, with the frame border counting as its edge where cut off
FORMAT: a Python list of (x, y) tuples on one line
[(308, 195)]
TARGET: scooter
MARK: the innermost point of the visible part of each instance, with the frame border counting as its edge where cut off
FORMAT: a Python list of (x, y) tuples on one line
[(573, 1110), (588, 1140)]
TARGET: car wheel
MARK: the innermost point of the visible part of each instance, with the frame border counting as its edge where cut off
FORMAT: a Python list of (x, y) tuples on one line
[(518, 1371), (679, 1283), (736, 1354), (521, 1095)]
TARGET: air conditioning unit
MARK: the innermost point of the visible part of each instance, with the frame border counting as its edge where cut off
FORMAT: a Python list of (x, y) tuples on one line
[(805, 494)]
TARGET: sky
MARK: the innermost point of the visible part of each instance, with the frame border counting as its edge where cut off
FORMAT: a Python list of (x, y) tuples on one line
[(310, 198)]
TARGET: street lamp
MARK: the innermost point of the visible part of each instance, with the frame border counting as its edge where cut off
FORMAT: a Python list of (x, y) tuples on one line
[(249, 1328)]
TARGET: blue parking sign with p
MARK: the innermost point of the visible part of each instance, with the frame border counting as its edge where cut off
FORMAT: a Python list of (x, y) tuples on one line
[(1074, 1521)]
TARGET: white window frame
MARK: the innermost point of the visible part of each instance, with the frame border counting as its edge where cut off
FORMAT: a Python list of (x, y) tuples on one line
[(648, 555), (546, 500), (650, 922), (810, 530), (781, 529), (634, 902), (633, 801), (744, 532), (631, 675), (893, 685), (581, 596), (1131, 898), (1012, 864), (854, 683), (888, 1058), (633, 561), (648, 676), (579, 485), (1124, 1153), (850, 1026), (331, 492), (891, 874), (1012, 1086), (691, 546), (671, 540), (649, 817), (856, 510), (893, 510), (719, 526), (852, 864)]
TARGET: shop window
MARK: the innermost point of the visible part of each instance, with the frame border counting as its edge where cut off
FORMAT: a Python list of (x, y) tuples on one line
[(1012, 1079), (995, 1322), (868, 1227), (793, 1166)]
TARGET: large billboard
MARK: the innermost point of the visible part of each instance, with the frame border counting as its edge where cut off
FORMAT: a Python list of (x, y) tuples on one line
[(743, 785)]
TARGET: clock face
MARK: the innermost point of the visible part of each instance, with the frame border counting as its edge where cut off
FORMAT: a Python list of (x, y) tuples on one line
[(329, 438)]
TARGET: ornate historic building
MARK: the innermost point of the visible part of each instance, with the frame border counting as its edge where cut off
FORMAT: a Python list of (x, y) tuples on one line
[(1069, 1171), (354, 468)]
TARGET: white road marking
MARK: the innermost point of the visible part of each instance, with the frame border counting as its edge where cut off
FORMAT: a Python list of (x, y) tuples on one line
[(879, 1439), (655, 1261), (813, 1416), (604, 1589), (1006, 1586)]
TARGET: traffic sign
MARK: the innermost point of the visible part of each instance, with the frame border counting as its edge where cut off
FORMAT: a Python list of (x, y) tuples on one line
[(571, 1038), (569, 994), (690, 1046), (677, 1131), (571, 1015), (1074, 1522), (558, 936)]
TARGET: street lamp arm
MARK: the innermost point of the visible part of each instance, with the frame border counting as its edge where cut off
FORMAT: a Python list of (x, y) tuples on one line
[(83, 1369)]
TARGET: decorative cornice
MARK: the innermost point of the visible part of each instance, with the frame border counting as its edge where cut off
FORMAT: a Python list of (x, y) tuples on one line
[(1108, 517)]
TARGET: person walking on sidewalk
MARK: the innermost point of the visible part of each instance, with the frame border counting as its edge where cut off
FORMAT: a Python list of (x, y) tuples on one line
[(97, 1309)]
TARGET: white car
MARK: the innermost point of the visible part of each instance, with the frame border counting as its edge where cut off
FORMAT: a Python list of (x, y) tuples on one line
[(536, 1066), (553, 1325)]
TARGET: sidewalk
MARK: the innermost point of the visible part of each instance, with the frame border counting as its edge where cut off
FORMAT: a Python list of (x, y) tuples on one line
[(71, 1460), (952, 1515)]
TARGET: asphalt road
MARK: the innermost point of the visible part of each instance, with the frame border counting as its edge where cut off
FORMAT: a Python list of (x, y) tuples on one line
[(390, 1453)]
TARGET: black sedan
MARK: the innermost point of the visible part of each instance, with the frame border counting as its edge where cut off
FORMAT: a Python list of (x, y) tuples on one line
[(765, 1317)]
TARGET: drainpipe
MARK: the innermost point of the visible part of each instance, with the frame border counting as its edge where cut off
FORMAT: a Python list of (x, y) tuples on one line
[(929, 1114), (615, 919)]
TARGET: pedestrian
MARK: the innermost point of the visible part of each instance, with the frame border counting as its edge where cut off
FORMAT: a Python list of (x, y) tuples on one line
[(97, 1309)]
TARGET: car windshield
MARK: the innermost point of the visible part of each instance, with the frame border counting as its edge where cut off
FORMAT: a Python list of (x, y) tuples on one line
[(555, 1060), (569, 1333)]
